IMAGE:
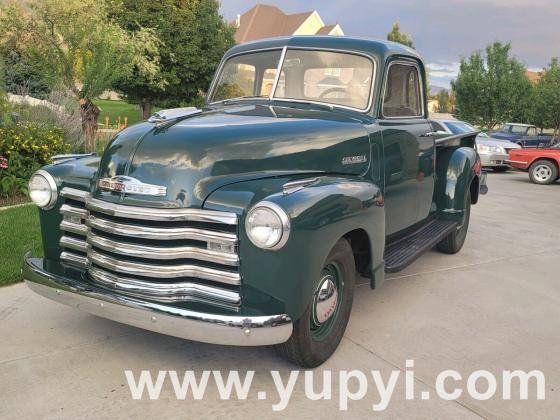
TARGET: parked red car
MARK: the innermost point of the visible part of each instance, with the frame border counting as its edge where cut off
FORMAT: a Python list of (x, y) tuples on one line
[(542, 164)]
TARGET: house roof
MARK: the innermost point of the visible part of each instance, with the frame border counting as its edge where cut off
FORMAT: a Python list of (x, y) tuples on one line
[(326, 30), (265, 21)]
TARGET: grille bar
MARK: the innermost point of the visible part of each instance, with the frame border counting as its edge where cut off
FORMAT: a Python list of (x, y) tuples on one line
[(163, 271), (162, 252), (73, 243), (170, 292), (162, 214), (71, 227), (70, 211), (75, 194), (74, 259), (149, 232)]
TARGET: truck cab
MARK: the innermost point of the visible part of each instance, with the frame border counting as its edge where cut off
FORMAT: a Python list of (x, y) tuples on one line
[(525, 135), (312, 167)]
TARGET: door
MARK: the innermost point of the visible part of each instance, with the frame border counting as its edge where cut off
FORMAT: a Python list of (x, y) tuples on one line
[(531, 138), (408, 148)]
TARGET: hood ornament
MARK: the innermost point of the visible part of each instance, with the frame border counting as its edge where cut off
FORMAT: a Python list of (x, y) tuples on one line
[(166, 115), (129, 185)]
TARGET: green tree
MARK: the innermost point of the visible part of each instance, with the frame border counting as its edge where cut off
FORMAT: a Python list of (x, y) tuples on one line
[(492, 88), (444, 102), (396, 35), (194, 38), (547, 97), (82, 49)]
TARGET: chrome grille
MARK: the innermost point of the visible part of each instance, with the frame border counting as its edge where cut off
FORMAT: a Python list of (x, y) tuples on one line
[(161, 254)]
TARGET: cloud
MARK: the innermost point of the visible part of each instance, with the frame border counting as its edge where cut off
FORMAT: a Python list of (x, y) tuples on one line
[(443, 30)]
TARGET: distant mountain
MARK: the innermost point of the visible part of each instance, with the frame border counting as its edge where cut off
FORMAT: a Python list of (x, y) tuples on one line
[(435, 90)]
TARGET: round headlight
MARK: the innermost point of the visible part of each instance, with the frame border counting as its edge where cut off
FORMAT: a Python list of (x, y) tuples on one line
[(42, 189), (268, 225)]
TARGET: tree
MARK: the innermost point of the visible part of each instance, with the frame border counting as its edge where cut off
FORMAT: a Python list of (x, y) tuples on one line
[(547, 97), (82, 49), (22, 75), (194, 38), (444, 102), (396, 35), (492, 88)]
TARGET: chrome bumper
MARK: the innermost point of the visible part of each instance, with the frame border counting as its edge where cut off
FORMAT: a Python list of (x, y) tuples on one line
[(183, 323), (494, 159)]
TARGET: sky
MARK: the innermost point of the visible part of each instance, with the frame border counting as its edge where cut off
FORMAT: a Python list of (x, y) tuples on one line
[(443, 30)]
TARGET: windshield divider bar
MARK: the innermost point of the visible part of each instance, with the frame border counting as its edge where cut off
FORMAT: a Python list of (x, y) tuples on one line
[(278, 71)]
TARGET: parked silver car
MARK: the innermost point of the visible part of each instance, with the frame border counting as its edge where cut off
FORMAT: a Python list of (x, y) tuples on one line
[(494, 153)]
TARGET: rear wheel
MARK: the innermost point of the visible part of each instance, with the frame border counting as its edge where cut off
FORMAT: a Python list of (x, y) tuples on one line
[(453, 242), (318, 332), (543, 172)]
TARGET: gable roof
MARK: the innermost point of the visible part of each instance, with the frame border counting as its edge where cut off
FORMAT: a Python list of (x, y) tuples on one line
[(326, 30), (265, 21)]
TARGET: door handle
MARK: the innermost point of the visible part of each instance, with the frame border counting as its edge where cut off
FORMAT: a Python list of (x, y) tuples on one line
[(429, 134)]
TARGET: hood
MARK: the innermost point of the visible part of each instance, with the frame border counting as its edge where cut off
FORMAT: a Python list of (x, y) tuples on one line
[(201, 153), (506, 144)]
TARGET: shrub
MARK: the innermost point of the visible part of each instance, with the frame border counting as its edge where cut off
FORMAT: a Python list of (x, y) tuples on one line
[(26, 147), (58, 110)]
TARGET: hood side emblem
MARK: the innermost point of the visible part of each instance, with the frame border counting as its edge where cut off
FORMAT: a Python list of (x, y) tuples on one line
[(129, 185), (353, 160)]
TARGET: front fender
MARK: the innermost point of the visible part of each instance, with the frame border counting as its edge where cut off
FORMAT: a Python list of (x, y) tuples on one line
[(455, 173), (320, 215)]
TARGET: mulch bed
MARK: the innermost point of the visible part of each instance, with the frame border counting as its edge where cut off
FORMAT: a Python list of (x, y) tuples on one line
[(12, 201)]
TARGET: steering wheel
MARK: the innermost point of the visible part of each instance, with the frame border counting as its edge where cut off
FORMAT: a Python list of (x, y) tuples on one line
[(348, 94)]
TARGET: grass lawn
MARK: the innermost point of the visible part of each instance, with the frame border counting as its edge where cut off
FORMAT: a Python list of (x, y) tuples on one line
[(19, 233), (116, 109)]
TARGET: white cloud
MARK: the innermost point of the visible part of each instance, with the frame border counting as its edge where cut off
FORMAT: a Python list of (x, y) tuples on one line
[(443, 70)]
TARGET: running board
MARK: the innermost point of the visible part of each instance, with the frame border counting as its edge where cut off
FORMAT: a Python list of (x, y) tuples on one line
[(405, 251)]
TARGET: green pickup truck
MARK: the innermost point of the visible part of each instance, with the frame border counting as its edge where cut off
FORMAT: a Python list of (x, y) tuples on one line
[(312, 167)]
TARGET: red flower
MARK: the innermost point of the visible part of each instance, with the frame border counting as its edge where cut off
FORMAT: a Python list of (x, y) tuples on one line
[(3, 162)]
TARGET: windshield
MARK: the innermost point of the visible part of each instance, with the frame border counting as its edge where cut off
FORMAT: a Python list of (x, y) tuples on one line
[(457, 127), (329, 77)]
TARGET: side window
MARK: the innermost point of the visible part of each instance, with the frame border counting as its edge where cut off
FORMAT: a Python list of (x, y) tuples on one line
[(437, 127), (237, 80), (403, 94), (532, 131)]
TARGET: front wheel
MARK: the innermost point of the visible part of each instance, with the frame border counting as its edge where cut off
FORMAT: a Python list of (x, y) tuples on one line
[(318, 332), (543, 172), (453, 242)]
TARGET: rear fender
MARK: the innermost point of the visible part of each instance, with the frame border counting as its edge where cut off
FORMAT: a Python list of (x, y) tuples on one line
[(455, 174)]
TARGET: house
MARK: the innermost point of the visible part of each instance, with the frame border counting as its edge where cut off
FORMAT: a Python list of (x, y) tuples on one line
[(533, 76), (264, 21)]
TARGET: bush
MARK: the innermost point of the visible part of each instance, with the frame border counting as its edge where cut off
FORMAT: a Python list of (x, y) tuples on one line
[(58, 110), (26, 147)]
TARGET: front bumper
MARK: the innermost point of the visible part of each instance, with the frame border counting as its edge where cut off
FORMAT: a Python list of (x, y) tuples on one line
[(491, 160), (183, 323)]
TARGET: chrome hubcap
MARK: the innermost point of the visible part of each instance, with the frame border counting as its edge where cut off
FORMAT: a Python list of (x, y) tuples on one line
[(325, 300), (542, 173)]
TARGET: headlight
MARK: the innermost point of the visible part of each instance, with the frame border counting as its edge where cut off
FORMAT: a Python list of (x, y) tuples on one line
[(482, 148), (268, 225), (42, 189)]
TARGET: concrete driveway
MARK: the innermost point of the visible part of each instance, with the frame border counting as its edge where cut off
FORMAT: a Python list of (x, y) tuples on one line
[(494, 307)]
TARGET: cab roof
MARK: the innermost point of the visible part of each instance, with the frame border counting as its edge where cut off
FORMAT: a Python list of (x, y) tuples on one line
[(374, 48)]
